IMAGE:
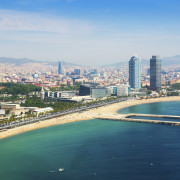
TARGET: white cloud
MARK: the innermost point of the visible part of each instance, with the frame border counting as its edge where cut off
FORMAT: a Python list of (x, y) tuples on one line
[(22, 21), (39, 36)]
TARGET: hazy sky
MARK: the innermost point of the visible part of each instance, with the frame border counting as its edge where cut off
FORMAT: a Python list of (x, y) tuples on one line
[(89, 32)]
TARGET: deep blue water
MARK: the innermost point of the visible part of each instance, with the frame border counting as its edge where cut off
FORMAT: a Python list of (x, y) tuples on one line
[(96, 150)]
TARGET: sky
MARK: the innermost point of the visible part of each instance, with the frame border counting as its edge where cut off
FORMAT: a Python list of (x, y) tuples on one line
[(89, 32)]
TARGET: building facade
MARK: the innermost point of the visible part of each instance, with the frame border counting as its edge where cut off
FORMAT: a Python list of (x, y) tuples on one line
[(60, 94), (113, 90), (77, 72), (94, 91), (99, 92), (155, 72), (122, 90), (85, 90), (135, 72)]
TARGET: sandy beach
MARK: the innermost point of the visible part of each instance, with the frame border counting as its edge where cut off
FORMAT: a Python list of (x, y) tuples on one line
[(90, 114)]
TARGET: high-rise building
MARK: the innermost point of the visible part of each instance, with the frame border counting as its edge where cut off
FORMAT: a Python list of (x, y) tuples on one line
[(77, 71), (59, 68), (155, 72), (135, 72)]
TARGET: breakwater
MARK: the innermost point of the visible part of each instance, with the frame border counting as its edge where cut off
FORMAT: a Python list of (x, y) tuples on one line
[(129, 118)]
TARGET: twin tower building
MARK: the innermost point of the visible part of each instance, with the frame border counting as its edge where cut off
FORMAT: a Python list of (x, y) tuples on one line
[(135, 72)]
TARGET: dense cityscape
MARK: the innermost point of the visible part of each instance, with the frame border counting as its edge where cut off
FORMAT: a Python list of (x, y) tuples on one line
[(43, 88), (89, 90)]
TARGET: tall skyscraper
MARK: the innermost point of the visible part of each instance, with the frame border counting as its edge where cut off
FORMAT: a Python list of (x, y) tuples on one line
[(135, 72), (59, 68), (155, 72)]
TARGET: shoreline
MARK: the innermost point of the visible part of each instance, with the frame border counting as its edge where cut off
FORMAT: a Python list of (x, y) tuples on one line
[(81, 116)]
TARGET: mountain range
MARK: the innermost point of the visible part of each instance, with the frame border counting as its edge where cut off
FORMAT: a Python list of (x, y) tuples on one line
[(20, 61), (166, 61)]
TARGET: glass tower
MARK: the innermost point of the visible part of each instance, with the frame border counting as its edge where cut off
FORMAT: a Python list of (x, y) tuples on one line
[(155, 72), (59, 68), (135, 72)]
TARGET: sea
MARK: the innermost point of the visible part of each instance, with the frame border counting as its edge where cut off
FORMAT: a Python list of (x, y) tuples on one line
[(96, 150)]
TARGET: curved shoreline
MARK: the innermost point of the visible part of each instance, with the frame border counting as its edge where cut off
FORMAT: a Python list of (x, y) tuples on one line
[(87, 115)]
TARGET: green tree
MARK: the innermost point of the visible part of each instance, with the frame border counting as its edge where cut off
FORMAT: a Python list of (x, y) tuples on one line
[(7, 111)]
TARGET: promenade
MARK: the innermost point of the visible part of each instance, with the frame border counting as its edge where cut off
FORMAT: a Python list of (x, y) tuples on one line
[(22, 122)]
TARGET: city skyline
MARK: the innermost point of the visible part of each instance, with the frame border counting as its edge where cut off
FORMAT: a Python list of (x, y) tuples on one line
[(89, 33)]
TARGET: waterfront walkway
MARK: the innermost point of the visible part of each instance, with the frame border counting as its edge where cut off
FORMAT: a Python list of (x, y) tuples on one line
[(113, 117), (88, 114), (21, 122)]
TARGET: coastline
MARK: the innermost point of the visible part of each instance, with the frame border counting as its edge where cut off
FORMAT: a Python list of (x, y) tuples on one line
[(86, 115)]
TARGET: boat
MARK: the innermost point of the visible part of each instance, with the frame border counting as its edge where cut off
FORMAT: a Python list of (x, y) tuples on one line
[(60, 169)]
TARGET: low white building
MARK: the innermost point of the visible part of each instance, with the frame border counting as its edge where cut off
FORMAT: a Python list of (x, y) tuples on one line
[(82, 98), (2, 113), (7, 106), (68, 94), (42, 110)]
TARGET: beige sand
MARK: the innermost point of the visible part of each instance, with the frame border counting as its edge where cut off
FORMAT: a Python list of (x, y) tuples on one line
[(91, 114)]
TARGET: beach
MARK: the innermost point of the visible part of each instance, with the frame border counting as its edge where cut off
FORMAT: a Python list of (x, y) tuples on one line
[(86, 115)]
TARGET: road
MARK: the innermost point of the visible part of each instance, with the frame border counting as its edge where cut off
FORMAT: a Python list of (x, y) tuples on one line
[(14, 124)]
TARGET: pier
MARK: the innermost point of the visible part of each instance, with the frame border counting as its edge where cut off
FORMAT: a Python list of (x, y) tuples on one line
[(129, 118), (152, 115)]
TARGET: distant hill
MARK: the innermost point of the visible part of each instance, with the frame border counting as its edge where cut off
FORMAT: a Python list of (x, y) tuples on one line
[(20, 61), (16, 61), (116, 64), (171, 60), (166, 61)]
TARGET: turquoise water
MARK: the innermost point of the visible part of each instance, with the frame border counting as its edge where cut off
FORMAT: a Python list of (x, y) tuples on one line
[(96, 149), (166, 108)]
